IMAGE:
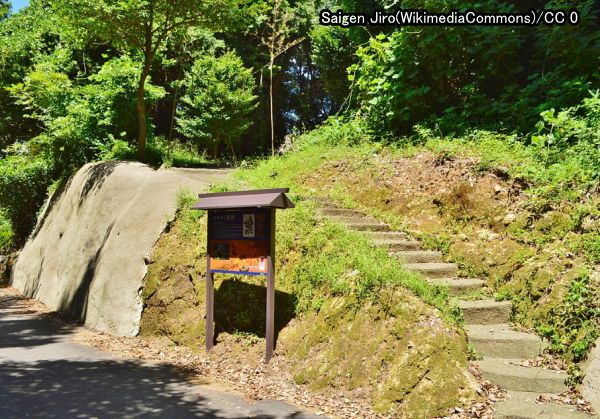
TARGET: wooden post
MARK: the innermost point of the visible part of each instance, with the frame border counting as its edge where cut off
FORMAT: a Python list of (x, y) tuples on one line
[(210, 293), (210, 304), (270, 327)]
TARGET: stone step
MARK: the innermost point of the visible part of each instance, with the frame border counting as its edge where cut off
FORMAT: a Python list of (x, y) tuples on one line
[(485, 311), (523, 405), (345, 212), (386, 235), (355, 220), (319, 198), (500, 341), (505, 374), (458, 286), (434, 270), (398, 244), (324, 202), (418, 256), (364, 225)]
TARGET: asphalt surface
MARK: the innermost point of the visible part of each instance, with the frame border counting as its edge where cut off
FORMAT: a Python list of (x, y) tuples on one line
[(43, 374)]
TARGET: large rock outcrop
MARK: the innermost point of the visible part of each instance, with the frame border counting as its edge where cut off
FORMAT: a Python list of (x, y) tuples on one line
[(87, 256)]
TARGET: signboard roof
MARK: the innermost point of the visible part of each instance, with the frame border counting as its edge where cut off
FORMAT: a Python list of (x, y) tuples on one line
[(262, 198)]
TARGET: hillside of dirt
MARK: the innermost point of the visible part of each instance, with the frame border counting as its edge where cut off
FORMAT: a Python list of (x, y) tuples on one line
[(351, 356), (534, 252)]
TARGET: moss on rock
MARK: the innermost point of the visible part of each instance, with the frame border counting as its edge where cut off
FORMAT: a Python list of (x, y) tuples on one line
[(410, 362)]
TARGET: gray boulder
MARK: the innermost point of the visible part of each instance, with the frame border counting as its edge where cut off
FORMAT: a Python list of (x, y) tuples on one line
[(86, 257)]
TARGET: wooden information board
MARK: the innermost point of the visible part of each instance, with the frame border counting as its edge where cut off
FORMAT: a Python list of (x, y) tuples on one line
[(239, 241)]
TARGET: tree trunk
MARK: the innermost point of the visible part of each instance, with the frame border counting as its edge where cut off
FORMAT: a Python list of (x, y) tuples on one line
[(173, 112), (141, 101), (233, 154), (271, 106), (141, 113)]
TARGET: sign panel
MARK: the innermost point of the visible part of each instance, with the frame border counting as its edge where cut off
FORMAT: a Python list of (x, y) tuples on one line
[(239, 241)]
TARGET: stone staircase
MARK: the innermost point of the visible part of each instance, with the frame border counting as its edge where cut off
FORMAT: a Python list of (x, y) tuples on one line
[(486, 323)]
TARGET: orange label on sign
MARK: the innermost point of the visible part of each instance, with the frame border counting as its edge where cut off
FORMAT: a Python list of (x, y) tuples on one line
[(245, 256)]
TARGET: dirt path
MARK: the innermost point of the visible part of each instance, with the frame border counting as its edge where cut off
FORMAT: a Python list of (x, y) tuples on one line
[(43, 373)]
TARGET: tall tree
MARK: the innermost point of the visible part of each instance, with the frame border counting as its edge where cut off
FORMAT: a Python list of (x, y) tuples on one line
[(278, 39), (143, 27)]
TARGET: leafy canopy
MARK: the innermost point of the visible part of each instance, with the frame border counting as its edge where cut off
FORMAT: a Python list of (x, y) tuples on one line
[(4, 9), (137, 24), (142, 27), (80, 120)]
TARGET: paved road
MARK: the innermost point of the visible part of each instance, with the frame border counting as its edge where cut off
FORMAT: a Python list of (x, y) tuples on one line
[(45, 375)]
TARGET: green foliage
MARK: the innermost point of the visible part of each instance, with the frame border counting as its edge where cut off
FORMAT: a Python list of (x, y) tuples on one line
[(23, 187), (6, 234), (123, 23), (24, 37), (173, 153), (141, 27), (160, 152), (82, 121), (217, 104), (111, 96), (410, 76), (574, 324), (45, 93), (462, 77), (116, 149), (4, 9), (336, 131), (334, 49), (573, 132), (332, 52)]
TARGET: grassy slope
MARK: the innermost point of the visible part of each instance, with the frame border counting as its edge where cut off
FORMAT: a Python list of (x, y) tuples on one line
[(349, 316), (532, 230)]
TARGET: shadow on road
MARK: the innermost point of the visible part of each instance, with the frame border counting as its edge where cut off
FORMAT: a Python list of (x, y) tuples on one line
[(44, 374), (20, 327), (105, 389), (26, 333)]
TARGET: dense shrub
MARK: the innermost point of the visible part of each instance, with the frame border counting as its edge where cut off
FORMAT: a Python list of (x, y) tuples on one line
[(573, 132), (215, 110), (463, 77), (24, 184), (6, 234), (23, 37)]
